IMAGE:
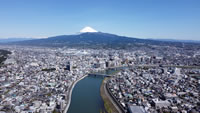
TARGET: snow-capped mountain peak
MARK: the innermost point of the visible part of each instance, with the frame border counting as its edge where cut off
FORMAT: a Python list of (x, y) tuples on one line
[(87, 29)]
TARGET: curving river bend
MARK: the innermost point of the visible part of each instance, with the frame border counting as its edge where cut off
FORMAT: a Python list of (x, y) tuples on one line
[(86, 97)]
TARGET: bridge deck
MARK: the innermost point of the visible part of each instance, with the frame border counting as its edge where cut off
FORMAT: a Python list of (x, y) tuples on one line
[(98, 74)]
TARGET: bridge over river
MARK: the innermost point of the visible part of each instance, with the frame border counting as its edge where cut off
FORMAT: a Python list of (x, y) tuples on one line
[(99, 75)]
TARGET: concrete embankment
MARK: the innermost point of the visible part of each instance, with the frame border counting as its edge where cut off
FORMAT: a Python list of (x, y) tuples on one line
[(109, 104), (70, 93)]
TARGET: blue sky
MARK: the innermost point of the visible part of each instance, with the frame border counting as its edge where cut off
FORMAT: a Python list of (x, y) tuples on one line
[(167, 19)]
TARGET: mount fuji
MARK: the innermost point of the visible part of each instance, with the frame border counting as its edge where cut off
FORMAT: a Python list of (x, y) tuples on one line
[(91, 38), (88, 30)]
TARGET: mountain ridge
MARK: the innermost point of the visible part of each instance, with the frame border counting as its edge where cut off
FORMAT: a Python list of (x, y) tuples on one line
[(97, 40), (6, 40)]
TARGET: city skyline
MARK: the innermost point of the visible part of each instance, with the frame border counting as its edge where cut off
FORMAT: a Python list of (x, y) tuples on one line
[(156, 19)]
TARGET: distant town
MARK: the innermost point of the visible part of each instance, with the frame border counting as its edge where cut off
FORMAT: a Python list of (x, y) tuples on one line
[(40, 79)]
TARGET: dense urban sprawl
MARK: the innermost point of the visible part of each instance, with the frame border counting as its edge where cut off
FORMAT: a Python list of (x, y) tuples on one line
[(39, 79)]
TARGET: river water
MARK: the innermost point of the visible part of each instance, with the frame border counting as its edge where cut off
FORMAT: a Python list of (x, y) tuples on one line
[(86, 97)]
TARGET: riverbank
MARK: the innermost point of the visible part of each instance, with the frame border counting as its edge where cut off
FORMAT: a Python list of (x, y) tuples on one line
[(109, 104), (70, 93)]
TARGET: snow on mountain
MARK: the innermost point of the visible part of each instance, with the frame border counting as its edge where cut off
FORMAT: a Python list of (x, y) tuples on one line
[(88, 29)]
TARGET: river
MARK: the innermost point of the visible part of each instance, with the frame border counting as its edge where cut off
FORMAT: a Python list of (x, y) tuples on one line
[(86, 97)]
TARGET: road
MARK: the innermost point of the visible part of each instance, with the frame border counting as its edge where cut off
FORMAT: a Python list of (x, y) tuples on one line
[(110, 98)]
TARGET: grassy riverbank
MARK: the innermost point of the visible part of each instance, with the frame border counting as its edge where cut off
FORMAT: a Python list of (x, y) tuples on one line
[(110, 108)]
